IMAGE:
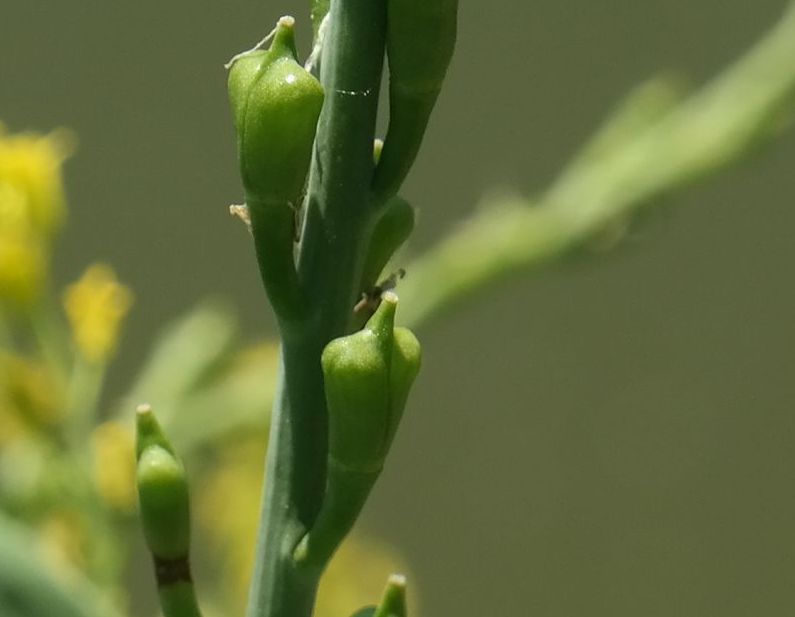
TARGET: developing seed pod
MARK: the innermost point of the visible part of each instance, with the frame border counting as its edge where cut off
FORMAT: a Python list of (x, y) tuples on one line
[(276, 105), (165, 515), (420, 41), (162, 490), (367, 379), (367, 376), (391, 230)]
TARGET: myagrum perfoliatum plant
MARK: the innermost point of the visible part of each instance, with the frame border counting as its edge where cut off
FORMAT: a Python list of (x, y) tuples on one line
[(321, 204)]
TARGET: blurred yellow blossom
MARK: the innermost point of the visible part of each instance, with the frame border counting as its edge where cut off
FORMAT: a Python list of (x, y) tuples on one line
[(113, 446), (30, 166), (23, 267), (64, 538), (96, 306), (31, 209), (30, 396)]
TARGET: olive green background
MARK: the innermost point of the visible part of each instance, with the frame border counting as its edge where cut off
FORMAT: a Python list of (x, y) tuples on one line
[(613, 437)]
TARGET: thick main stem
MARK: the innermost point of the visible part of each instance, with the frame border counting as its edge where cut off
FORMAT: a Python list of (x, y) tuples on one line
[(338, 219)]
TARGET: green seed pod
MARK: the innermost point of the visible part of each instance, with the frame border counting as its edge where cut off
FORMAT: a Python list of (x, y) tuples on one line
[(367, 376), (391, 230), (276, 105), (365, 396), (162, 491), (165, 515), (403, 370), (420, 41)]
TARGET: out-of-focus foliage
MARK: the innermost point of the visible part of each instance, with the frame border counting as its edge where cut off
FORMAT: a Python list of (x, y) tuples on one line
[(67, 476)]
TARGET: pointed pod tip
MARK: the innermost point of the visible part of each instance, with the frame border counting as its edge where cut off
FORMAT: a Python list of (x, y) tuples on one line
[(393, 602), (286, 21), (382, 323), (148, 431), (283, 44), (390, 297)]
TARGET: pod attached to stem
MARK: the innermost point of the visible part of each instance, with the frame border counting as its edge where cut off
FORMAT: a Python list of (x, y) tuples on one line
[(421, 37), (276, 105), (367, 377), (165, 515)]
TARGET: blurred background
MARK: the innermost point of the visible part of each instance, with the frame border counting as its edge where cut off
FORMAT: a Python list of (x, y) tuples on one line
[(610, 437)]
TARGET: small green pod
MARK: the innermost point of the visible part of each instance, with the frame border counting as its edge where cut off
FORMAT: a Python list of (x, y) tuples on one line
[(356, 373), (162, 491), (367, 377), (421, 38), (391, 230), (163, 498), (276, 105), (164, 505), (403, 370)]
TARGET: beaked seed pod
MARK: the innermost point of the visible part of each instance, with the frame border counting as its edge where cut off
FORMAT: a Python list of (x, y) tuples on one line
[(420, 41), (276, 105), (392, 229), (367, 377), (162, 491)]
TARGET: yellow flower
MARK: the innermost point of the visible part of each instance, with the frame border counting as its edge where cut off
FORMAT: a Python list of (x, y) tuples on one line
[(96, 306), (30, 396), (31, 209), (114, 465), (30, 165), (23, 268), (64, 538)]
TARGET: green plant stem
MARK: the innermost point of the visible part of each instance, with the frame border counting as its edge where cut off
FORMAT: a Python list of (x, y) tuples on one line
[(50, 335), (710, 130), (339, 216), (179, 600), (82, 396)]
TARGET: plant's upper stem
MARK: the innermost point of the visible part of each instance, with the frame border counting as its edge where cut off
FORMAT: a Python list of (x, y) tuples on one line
[(338, 220)]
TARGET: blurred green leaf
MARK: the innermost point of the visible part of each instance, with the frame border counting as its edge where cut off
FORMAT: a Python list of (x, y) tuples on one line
[(29, 589), (239, 398), (182, 358)]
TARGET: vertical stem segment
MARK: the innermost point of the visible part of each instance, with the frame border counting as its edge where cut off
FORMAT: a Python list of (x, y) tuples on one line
[(338, 219)]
